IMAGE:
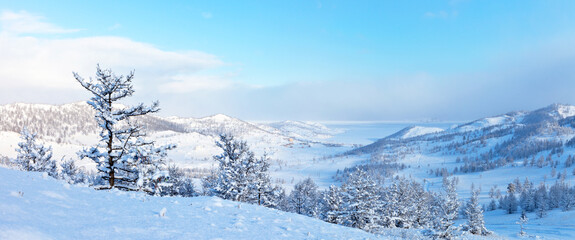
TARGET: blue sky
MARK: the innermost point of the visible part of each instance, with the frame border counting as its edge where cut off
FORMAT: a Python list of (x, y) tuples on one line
[(301, 60)]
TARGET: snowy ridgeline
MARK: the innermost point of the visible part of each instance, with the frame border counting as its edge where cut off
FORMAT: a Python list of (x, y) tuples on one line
[(34, 206), (66, 123), (71, 127), (541, 143)]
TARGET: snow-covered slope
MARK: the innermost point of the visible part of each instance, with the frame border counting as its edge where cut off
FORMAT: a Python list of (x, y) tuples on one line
[(414, 131), (486, 152), (490, 153), (63, 123), (516, 134), (33, 206), (501, 120), (68, 128), (56, 123)]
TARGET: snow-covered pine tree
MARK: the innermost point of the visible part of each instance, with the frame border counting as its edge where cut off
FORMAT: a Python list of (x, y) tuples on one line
[(210, 183), (568, 201), (527, 197), (557, 193), (69, 171), (541, 201), (231, 181), (152, 168), (447, 209), (52, 169), (406, 205), (120, 136), (178, 183), (492, 204), (263, 192), (241, 176), (475, 223), (304, 198), (33, 156), (281, 199), (509, 203), (362, 203), (333, 204)]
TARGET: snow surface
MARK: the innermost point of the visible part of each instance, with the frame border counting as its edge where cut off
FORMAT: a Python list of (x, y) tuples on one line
[(418, 131), (489, 122), (415, 131), (34, 206), (292, 161), (566, 111)]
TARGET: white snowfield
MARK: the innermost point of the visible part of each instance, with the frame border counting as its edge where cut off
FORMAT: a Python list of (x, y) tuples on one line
[(415, 131), (34, 206), (565, 111)]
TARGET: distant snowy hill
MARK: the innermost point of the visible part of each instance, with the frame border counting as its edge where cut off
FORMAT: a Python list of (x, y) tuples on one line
[(58, 123), (34, 207), (494, 154), (71, 127), (488, 153), (514, 135), (414, 131), (62, 123)]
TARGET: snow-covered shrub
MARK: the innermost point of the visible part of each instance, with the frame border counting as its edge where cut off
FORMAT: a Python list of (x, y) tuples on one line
[(178, 184), (33, 156)]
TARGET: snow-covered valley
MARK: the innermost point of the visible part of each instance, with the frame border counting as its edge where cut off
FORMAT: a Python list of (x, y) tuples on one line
[(488, 153)]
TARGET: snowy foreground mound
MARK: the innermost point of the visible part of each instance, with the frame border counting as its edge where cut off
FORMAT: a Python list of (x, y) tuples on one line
[(33, 206)]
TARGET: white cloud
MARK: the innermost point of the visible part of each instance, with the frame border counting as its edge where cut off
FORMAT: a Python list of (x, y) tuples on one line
[(193, 83), (24, 22), (43, 64), (29, 61)]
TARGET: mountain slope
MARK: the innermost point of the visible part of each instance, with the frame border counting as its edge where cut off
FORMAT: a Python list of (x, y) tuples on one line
[(515, 135), (62, 123), (36, 207), (414, 131), (69, 128)]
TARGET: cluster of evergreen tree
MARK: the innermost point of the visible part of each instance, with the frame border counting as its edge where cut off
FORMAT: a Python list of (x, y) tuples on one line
[(531, 198), (241, 176), (361, 202), (379, 170), (364, 203), (34, 156)]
